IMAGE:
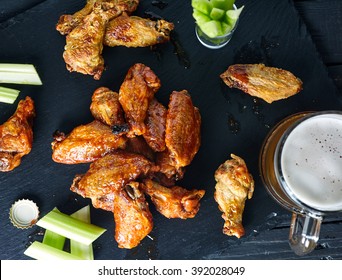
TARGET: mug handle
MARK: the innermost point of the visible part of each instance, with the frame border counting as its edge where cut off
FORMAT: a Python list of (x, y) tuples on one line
[(304, 233)]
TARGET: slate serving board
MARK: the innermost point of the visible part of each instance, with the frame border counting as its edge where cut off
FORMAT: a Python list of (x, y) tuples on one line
[(232, 122)]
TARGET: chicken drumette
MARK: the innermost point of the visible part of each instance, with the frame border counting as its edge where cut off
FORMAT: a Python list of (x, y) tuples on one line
[(105, 107), (16, 135), (135, 94), (133, 219), (234, 185)]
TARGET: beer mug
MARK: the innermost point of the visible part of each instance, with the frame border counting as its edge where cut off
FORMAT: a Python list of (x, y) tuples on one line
[(301, 167)]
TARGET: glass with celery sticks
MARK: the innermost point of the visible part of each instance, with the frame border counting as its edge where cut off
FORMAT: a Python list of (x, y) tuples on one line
[(216, 21)]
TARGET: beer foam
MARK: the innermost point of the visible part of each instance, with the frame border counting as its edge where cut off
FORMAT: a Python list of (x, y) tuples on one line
[(311, 162)]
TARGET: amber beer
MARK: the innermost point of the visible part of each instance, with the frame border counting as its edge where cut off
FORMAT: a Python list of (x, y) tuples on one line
[(308, 162), (301, 167), (301, 161)]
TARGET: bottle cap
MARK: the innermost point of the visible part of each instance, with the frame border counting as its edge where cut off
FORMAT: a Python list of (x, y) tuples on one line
[(24, 213)]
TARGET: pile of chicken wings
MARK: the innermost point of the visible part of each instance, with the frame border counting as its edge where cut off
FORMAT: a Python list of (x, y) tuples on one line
[(106, 22), (136, 147)]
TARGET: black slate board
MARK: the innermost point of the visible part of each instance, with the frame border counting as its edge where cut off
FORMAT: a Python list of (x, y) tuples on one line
[(233, 122)]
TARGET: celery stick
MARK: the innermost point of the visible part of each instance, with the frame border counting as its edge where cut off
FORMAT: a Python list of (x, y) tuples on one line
[(40, 251), (54, 239), (70, 227), (77, 248), (8, 95), (19, 74)]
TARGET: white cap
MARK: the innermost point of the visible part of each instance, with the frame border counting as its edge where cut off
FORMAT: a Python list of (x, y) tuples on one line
[(24, 213)]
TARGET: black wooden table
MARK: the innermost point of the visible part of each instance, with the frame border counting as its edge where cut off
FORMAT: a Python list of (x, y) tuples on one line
[(27, 35)]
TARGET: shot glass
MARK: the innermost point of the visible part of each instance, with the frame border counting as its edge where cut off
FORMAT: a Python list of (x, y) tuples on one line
[(216, 42), (300, 165)]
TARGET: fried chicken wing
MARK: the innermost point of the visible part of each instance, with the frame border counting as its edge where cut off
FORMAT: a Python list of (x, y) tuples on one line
[(16, 135), (109, 173), (167, 167), (182, 136), (174, 202), (83, 49), (85, 143), (66, 23), (268, 83), (133, 31), (135, 94), (234, 185), (139, 146), (133, 219), (105, 107), (155, 126)]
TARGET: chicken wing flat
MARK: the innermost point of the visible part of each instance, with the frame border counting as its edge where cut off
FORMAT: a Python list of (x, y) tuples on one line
[(268, 83), (105, 107), (16, 135), (85, 143), (133, 31), (109, 173), (133, 219), (83, 49), (155, 126), (66, 23), (84, 44), (183, 135), (174, 202), (234, 185), (135, 94)]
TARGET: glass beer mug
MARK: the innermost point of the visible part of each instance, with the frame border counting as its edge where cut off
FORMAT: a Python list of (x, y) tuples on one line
[(301, 168)]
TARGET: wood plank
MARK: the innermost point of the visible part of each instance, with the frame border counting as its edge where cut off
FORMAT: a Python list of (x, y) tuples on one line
[(324, 21)]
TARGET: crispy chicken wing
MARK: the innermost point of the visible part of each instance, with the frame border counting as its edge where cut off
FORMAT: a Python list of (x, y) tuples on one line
[(109, 173), (268, 83), (83, 49), (105, 107), (85, 143), (167, 167), (183, 123), (133, 219), (133, 31), (135, 94), (66, 23), (84, 44), (174, 202), (16, 135), (234, 185), (155, 126)]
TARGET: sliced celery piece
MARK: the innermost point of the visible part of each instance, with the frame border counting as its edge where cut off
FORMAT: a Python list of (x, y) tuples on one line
[(70, 227), (204, 6), (223, 4), (41, 251), (19, 74), (232, 16), (77, 248), (8, 95), (54, 239)]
